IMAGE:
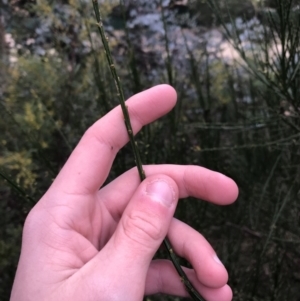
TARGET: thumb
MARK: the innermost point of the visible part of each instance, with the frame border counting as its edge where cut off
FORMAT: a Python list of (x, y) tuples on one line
[(146, 219), (141, 230)]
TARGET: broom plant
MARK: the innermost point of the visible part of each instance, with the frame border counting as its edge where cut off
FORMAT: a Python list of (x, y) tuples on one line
[(238, 115)]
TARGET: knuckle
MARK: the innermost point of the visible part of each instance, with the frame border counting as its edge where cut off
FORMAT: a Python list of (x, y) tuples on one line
[(143, 228)]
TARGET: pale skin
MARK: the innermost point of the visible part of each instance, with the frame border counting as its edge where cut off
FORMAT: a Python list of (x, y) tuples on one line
[(85, 243)]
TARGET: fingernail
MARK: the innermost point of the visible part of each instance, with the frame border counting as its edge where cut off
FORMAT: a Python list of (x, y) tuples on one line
[(217, 260), (161, 191)]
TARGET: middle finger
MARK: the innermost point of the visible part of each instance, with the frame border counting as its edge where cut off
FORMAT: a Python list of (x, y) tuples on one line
[(190, 244)]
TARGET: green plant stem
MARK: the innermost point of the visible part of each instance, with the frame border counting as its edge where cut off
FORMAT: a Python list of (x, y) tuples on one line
[(102, 99), (189, 287), (16, 187), (120, 93), (137, 87)]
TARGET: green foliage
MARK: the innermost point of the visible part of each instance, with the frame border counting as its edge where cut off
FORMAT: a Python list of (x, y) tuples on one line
[(239, 117)]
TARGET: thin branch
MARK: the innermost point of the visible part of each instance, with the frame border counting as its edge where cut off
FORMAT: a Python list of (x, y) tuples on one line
[(192, 291), (189, 287)]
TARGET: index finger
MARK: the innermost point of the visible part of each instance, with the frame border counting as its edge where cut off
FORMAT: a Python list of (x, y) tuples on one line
[(90, 162), (192, 180)]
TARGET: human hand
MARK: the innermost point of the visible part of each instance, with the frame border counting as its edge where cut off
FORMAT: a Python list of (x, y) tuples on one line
[(82, 243)]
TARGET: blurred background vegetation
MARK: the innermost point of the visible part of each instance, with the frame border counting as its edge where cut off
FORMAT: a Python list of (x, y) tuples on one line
[(236, 68)]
